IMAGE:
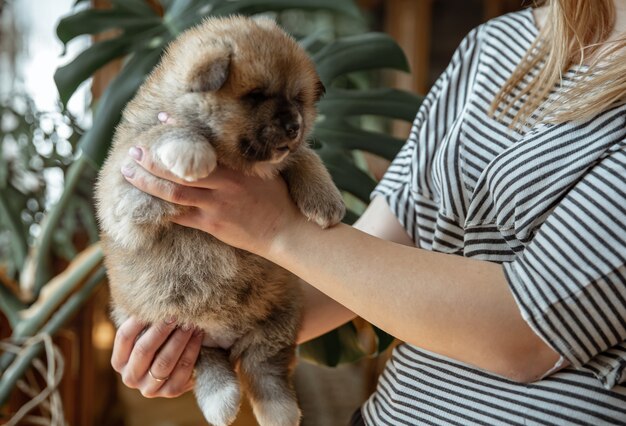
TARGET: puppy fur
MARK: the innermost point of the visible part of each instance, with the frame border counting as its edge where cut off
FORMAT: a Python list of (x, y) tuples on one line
[(240, 93)]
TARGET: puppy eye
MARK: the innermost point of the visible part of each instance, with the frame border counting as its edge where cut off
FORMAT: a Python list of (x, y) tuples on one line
[(299, 98), (256, 96)]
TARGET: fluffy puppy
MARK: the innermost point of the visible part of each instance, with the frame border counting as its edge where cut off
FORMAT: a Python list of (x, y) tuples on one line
[(241, 93)]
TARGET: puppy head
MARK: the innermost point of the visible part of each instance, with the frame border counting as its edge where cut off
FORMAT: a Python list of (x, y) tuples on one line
[(250, 87)]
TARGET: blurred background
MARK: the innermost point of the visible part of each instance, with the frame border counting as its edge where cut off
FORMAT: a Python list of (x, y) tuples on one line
[(67, 68)]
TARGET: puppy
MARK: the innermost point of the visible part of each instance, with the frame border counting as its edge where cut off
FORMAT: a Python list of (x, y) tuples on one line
[(241, 93)]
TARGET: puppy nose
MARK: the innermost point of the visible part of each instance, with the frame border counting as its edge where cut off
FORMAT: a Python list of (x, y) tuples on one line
[(292, 130)]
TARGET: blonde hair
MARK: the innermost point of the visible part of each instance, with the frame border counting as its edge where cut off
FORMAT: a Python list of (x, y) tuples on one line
[(575, 35)]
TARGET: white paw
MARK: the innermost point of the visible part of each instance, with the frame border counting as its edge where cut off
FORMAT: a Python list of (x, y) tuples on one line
[(188, 161), (220, 407), (277, 412), (327, 211)]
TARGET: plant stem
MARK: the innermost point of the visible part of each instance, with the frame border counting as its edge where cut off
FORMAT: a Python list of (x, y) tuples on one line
[(17, 231), (57, 290), (53, 295), (34, 278), (17, 369), (10, 306)]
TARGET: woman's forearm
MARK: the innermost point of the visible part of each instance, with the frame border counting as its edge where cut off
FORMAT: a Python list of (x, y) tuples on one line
[(323, 314), (458, 307)]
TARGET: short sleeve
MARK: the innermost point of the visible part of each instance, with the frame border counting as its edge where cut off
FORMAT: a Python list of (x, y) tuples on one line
[(570, 281), (410, 175)]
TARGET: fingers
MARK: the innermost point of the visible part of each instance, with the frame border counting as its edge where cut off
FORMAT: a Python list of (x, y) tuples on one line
[(169, 353), (124, 343), (181, 377), (144, 351), (222, 177), (165, 361), (175, 193), (142, 156)]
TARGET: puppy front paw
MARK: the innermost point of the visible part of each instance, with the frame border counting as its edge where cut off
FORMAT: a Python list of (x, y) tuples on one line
[(187, 159), (326, 210)]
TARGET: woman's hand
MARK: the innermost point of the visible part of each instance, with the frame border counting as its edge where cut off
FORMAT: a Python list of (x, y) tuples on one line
[(158, 362), (243, 211)]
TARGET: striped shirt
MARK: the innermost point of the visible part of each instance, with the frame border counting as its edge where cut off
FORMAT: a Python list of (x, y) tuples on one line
[(548, 203)]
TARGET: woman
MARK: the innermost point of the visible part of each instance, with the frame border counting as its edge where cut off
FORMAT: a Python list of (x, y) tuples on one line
[(497, 238)]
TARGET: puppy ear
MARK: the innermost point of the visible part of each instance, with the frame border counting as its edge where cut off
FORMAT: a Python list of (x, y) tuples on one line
[(319, 90), (211, 74), (264, 22)]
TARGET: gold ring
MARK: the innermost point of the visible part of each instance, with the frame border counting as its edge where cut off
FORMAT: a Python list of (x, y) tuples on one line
[(158, 379)]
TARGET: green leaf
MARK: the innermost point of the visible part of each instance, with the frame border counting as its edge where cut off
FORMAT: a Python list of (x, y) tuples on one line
[(324, 350), (70, 76), (36, 270), (94, 21), (167, 4), (10, 218), (176, 8), (4, 171), (250, 7), (383, 340), (346, 175), (182, 10), (87, 217), (351, 346), (338, 133), (137, 7), (183, 14), (384, 102), (312, 43), (350, 217), (336, 347), (63, 246), (359, 53), (96, 141)]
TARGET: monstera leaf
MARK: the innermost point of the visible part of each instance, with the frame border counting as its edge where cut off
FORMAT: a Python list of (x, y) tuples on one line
[(143, 28)]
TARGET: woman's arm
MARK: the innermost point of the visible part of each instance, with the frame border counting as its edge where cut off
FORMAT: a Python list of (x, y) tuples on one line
[(322, 313), (451, 305), (458, 307)]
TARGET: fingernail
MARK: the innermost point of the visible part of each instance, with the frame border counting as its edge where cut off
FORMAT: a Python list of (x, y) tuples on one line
[(163, 116), (136, 153), (198, 332), (128, 171), (186, 327), (170, 320)]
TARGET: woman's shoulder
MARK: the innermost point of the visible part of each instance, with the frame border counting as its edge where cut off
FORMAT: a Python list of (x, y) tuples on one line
[(505, 28), (509, 33)]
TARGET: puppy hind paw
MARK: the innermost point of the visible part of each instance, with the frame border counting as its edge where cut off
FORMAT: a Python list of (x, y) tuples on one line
[(277, 412), (220, 408)]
